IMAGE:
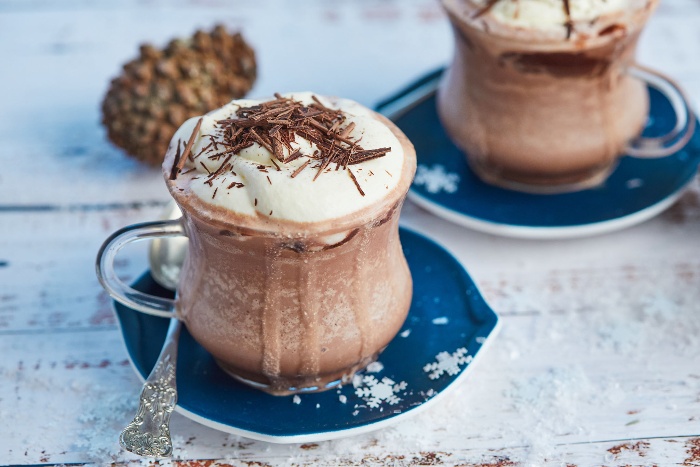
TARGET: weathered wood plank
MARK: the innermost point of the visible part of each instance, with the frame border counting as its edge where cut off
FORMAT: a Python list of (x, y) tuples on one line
[(47, 278), (533, 396)]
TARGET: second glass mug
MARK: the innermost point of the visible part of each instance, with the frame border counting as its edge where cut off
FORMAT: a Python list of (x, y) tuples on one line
[(549, 116)]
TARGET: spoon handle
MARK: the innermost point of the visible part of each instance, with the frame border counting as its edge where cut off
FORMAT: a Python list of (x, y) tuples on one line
[(149, 433)]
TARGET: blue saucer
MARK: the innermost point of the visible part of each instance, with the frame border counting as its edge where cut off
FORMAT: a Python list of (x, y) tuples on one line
[(637, 190), (447, 327)]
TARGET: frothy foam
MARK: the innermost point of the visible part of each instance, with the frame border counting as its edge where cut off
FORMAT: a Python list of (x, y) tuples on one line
[(551, 14)]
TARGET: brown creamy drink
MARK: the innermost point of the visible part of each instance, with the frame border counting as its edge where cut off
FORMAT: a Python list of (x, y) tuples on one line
[(295, 277), (539, 93)]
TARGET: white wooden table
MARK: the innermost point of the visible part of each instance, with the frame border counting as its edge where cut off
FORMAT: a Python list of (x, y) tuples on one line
[(598, 361)]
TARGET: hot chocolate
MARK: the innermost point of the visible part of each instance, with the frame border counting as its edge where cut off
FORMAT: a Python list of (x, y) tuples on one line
[(540, 91), (295, 277)]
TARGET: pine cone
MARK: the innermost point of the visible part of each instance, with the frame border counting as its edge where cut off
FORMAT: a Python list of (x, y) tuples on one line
[(161, 89)]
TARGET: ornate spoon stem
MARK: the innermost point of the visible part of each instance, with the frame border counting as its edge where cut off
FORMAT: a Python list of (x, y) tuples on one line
[(149, 433)]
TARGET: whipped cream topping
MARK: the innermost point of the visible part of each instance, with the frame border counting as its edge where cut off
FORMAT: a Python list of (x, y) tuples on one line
[(551, 14), (254, 186)]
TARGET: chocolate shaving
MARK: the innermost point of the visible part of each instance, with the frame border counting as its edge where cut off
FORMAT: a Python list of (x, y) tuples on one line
[(301, 167), (357, 184), (173, 171), (348, 129), (569, 22), (190, 143), (258, 139), (218, 171), (204, 149)]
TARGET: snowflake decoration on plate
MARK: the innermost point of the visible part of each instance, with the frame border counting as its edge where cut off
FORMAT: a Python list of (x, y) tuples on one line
[(376, 392), (435, 179), (448, 363)]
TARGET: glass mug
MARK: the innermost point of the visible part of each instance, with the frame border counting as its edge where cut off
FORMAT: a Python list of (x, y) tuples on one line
[(283, 315), (546, 115)]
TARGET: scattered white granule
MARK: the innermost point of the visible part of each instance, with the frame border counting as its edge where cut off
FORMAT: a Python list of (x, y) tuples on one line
[(480, 340), (448, 363), (441, 320), (376, 392), (296, 399), (405, 333), (375, 367), (634, 183), (318, 406), (343, 399), (435, 179), (354, 414), (356, 381)]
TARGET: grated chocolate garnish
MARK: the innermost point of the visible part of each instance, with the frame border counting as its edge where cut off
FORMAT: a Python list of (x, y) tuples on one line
[(203, 150), (205, 167), (174, 170), (190, 143), (357, 184), (569, 25), (276, 124), (301, 167)]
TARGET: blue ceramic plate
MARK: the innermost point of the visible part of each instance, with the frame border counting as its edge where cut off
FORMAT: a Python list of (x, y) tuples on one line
[(637, 190), (447, 327)]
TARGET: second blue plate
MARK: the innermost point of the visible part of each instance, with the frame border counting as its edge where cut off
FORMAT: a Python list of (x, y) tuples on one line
[(637, 190)]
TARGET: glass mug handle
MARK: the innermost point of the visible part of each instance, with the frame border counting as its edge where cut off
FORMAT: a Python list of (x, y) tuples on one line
[(150, 304), (677, 138)]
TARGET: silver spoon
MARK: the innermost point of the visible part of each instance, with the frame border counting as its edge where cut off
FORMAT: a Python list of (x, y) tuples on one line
[(149, 432), (167, 254)]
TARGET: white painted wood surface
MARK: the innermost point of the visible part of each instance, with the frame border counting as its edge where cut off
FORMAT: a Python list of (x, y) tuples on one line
[(598, 362)]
